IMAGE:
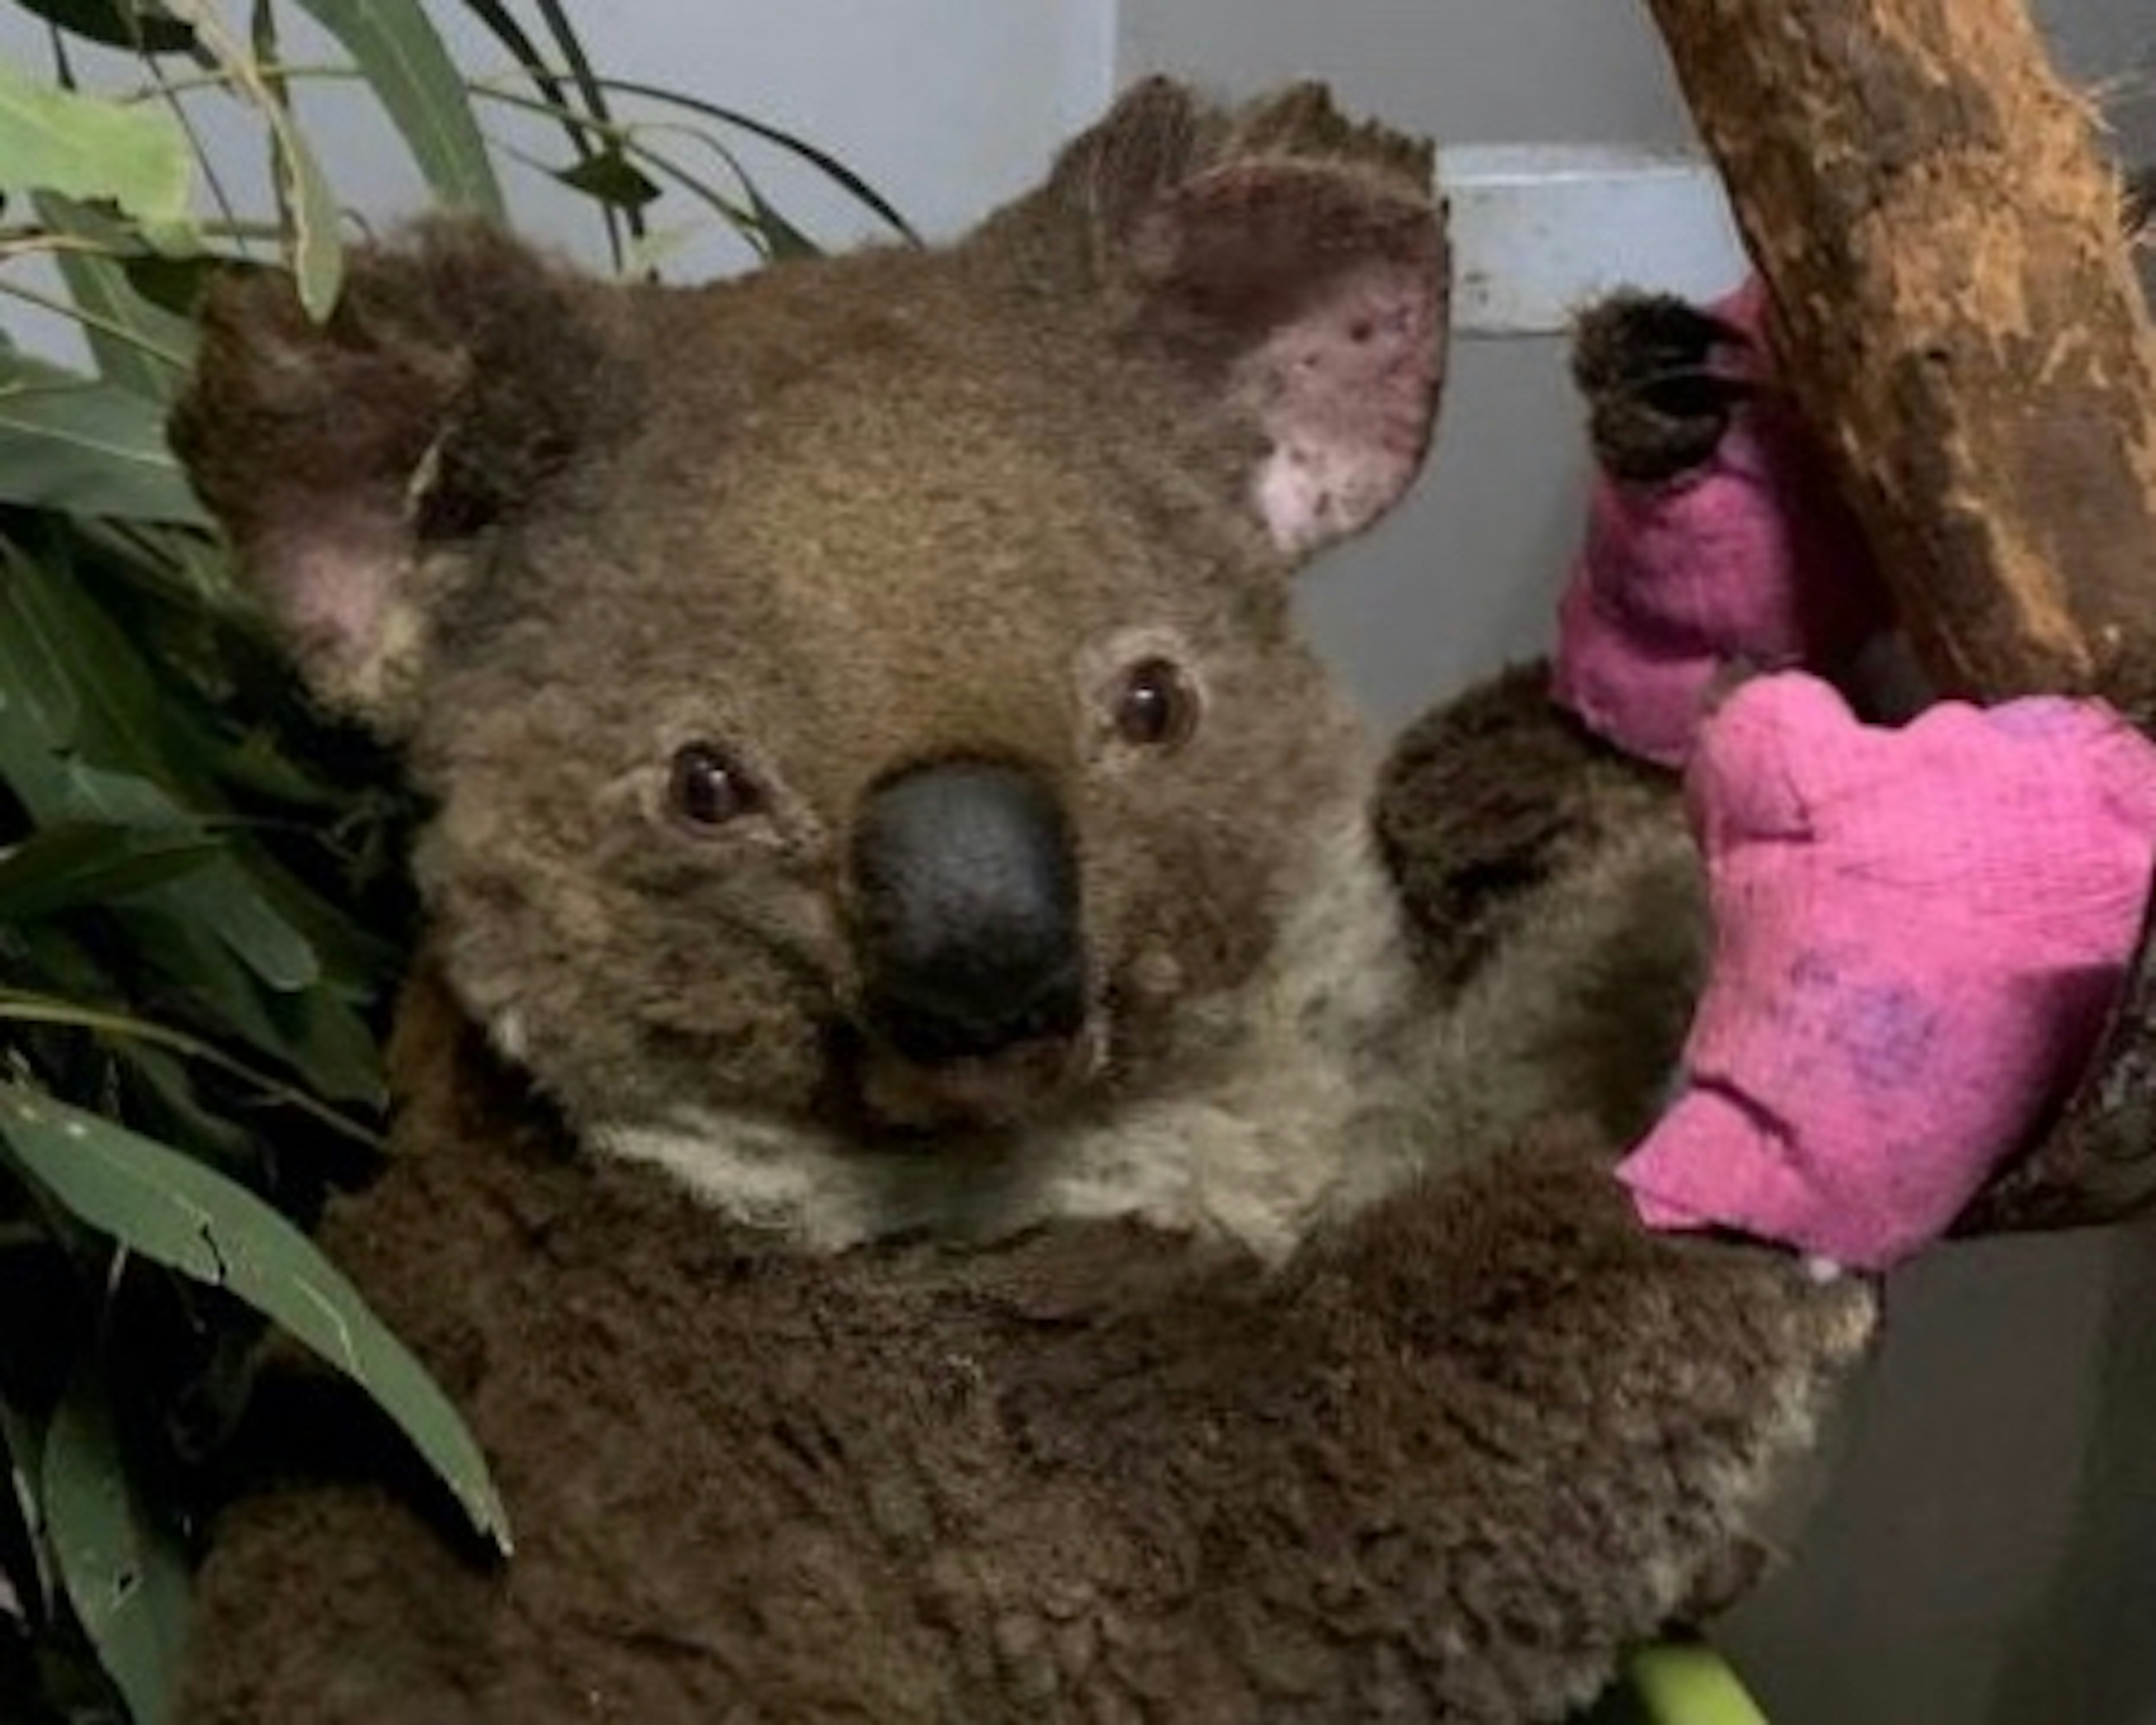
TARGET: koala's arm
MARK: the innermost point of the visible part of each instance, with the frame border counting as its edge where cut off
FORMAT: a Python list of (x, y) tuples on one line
[(1495, 795), (1458, 1458), (1446, 1464), (1556, 904)]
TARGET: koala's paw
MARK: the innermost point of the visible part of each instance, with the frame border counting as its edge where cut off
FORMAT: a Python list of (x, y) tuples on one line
[(1656, 405), (1490, 796), (1622, 1424), (1919, 934)]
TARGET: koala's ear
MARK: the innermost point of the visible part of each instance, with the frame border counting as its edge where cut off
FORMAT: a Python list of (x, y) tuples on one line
[(1290, 264), (350, 461)]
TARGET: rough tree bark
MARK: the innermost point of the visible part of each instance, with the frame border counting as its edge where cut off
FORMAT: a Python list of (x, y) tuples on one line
[(1961, 320)]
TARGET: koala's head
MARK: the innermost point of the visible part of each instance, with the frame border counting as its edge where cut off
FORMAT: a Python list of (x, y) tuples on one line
[(867, 689)]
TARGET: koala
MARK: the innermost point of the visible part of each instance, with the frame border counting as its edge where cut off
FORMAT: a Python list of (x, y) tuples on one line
[(961, 1162)]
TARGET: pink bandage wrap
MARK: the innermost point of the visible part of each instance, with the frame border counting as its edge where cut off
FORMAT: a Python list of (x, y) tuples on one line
[(1919, 934), (1750, 559)]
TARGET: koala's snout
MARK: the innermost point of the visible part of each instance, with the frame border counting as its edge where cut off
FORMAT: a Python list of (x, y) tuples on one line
[(968, 927)]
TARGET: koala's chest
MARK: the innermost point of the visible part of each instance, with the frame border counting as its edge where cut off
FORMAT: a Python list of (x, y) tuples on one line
[(787, 1470)]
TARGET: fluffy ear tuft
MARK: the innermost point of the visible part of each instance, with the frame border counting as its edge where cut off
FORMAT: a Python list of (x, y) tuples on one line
[(1289, 262), (459, 371)]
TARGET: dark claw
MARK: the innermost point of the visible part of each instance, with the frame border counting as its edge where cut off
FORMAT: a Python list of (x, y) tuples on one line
[(1656, 406)]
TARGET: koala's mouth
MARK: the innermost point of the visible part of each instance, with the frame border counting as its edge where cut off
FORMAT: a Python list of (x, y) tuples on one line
[(974, 1092)]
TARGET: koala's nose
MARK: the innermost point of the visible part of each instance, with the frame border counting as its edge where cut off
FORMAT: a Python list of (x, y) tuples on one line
[(967, 923)]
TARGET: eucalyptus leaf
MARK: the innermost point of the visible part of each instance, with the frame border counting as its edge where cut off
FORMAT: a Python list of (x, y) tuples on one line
[(319, 1033), (71, 443), (22, 1445), (315, 1033), (120, 1564), (650, 252), (554, 96), (168, 1208), (612, 179), (137, 25), (782, 240), (332, 1044), (97, 694), (410, 72), (822, 161), (314, 248), (219, 898), (54, 140), (38, 696), (174, 284), (100, 756), (139, 346), (73, 863), (168, 1089)]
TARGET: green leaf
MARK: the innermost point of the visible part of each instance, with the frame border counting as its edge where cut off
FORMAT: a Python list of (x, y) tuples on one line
[(398, 48), (22, 1447), (89, 690), (314, 249), (313, 246), (219, 899), (38, 696), (315, 1031), (612, 179), (125, 1036), (176, 285), (134, 24), (824, 162), (68, 443), (53, 140), (553, 95), (647, 255), (165, 1087), (63, 867), (221, 896), (101, 286), (175, 1211), (120, 1564), (95, 749), (782, 240), (1677, 1683)]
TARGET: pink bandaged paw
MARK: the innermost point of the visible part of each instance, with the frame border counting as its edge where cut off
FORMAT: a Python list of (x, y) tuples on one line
[(1750, 559), (1919, 934)]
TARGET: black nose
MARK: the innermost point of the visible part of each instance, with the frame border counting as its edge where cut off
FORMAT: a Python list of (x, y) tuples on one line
[(967, 924)]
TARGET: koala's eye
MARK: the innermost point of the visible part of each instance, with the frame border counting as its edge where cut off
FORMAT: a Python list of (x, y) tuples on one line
[(1157, 707), (708, 787)]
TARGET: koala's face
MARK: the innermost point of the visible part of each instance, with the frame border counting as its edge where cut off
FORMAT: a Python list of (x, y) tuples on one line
[(866, 692)]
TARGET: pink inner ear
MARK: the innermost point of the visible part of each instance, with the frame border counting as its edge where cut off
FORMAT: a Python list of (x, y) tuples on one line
[(332, 584), (1347, 390)]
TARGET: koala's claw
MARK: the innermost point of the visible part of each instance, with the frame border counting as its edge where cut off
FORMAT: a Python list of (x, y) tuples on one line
[(1656, 405)]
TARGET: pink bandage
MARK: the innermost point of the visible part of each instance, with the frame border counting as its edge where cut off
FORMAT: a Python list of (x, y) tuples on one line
[(1919, 934), (1750, 559)]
